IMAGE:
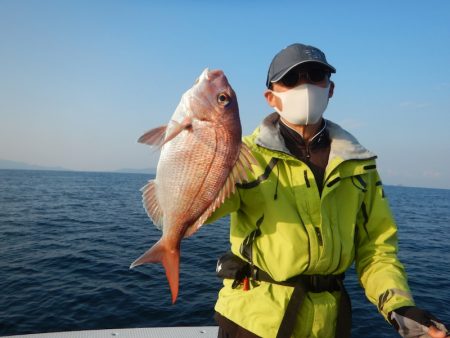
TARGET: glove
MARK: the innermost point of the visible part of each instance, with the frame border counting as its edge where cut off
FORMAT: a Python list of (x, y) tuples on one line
[(412, 322)]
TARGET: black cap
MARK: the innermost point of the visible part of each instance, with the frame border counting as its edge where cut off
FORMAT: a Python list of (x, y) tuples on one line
[(292, 56)]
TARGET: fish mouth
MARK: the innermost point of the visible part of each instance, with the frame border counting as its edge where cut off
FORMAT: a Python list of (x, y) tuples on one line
[(204, 75), (209, 75)]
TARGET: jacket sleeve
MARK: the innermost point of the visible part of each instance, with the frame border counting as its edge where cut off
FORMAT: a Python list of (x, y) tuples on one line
[(379, 269)]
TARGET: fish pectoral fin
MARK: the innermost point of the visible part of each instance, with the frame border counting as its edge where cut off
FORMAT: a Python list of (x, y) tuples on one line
[(157, 136), (237, 174), (151, 204), (154, 137), (178, 128), (170, 259)]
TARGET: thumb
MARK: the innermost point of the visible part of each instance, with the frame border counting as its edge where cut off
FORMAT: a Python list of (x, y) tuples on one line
[(433, 332)]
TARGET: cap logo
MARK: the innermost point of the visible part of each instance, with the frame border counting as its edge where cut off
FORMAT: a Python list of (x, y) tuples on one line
[(315, 54)]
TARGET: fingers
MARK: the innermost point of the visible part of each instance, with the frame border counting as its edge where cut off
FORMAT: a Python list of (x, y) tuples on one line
[(433, 332)]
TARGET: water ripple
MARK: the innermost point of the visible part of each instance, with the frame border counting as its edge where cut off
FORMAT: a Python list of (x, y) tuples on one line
[(68, 240)]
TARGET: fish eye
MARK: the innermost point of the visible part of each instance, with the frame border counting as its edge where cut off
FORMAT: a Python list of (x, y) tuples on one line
[(223, 99)]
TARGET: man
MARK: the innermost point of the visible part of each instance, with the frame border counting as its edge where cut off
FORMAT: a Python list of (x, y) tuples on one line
[(313, 206)]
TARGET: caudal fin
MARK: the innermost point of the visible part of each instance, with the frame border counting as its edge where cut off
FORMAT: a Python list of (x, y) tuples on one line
[(170, 259)]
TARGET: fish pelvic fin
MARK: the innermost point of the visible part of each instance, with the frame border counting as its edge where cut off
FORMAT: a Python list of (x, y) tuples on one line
[(242, 167), (170, 259), (151, 204), (246, 158), (238, 174)]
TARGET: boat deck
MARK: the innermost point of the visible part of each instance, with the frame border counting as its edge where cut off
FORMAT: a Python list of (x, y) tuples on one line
[(157, 332)]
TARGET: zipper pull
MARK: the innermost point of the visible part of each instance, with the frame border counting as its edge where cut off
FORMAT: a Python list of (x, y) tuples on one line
[(319, 236)]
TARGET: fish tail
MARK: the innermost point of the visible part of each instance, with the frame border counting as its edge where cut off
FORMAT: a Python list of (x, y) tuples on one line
[(170, 259)]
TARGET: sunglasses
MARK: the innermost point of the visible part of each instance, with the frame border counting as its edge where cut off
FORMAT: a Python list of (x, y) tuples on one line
[(314, 75)]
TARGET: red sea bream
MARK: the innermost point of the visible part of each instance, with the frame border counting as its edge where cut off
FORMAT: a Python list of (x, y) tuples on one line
[(202, 157)]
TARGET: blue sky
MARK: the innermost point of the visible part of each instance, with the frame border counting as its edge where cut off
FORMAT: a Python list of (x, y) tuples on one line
[(80, 81)]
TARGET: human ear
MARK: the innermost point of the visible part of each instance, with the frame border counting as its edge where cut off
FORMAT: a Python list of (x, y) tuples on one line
[(270, 98), (331, 91)]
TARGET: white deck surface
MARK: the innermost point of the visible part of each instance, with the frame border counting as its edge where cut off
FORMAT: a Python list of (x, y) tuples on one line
[(158, 332)]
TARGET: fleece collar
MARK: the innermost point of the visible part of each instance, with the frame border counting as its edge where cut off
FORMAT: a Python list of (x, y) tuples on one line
[(344, 146)]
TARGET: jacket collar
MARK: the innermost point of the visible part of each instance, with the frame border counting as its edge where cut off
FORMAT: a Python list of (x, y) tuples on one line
[(294, 141), (344, 146)]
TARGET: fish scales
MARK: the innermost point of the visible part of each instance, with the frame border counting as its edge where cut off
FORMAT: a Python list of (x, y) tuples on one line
[(202, 157), (185, 184)]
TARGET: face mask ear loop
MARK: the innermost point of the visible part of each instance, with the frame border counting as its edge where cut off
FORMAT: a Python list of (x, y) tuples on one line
[(276, 95), (308, 111)]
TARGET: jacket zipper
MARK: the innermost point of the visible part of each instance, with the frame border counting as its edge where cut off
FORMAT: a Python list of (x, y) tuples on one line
[(308, 152)]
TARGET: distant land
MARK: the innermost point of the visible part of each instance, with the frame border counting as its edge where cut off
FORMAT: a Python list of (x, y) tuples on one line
[(136, 171), (7, 164)]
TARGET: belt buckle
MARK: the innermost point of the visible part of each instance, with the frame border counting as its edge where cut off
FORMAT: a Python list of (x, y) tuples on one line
[(314, 283), (320, 283), (254, 272)]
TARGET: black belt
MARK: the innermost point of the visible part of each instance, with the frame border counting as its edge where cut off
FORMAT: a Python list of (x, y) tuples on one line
[(232, 267), (313, 283)]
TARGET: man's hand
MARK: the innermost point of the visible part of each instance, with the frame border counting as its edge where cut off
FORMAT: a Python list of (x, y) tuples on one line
[(412, 322)]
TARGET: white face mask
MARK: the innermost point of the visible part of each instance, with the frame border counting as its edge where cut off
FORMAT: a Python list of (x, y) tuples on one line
[(304, 104)]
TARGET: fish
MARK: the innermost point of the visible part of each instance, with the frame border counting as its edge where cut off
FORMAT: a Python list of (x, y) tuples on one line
[(202, 159)]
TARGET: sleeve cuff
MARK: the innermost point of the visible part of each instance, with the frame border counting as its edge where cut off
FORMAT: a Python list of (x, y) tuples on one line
[(393, 299)]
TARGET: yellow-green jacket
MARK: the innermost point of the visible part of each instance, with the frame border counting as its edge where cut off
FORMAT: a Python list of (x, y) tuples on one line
[(290, 229)]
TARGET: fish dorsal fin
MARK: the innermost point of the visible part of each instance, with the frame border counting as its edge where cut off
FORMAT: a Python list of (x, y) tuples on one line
[(154, 137), (151, 204), (238, 174)]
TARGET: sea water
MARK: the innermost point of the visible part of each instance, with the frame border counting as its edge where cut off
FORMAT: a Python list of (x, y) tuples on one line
[(67, 240)]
